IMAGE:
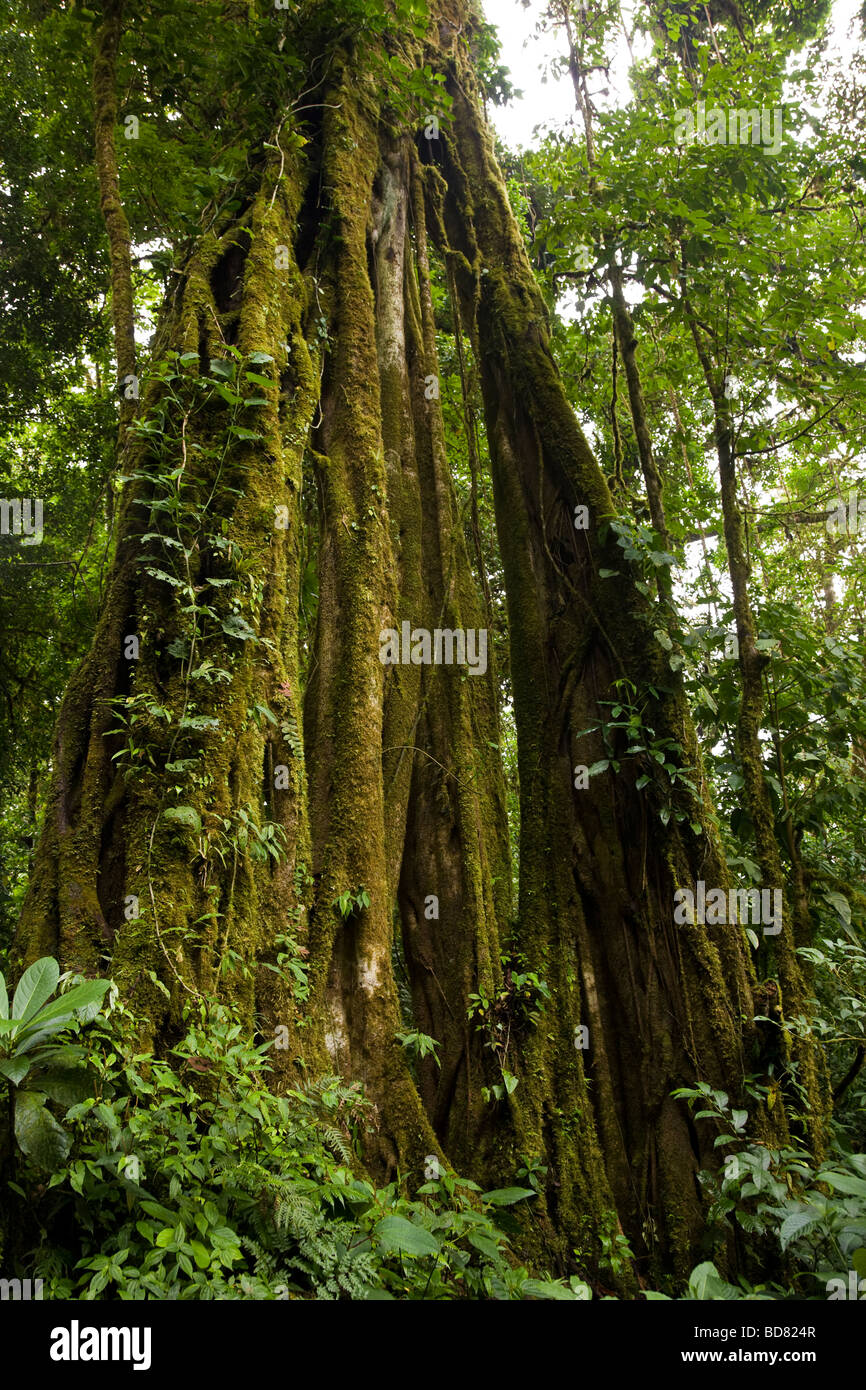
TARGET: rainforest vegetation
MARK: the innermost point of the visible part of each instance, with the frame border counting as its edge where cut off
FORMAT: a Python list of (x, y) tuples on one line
[(432, 669)]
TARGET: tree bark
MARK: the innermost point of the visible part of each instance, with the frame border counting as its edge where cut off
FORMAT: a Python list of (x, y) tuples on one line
[(796, 925), (598, 868), (106, 47), (393, 793)]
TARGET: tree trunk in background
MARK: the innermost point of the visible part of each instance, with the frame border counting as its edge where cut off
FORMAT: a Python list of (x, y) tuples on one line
[(796, 927), (108, 39)]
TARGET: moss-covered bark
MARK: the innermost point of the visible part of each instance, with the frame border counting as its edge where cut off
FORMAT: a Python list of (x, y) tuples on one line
[(426, 791), (116, 880), (598, 868), (392, 795), (403, 787), (627, 341)]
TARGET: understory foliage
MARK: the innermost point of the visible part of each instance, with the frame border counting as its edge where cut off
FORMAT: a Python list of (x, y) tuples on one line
[(186, 1177), (801, 1224)]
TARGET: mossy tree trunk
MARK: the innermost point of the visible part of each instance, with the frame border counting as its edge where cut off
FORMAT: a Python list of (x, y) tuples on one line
[(598, 864), (198, 629), (382, 784), (381, 787)]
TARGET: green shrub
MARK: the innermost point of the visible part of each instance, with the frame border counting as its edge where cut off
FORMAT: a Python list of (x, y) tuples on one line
[(814, 1215), (187, 1178)]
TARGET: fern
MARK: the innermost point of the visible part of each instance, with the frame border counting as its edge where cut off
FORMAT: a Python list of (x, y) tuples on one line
[(263, 1183)]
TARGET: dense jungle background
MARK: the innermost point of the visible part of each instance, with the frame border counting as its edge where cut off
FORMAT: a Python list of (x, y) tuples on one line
[(349, 961)]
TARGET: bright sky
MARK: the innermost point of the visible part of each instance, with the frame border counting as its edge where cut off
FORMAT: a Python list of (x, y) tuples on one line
[(526, 55)]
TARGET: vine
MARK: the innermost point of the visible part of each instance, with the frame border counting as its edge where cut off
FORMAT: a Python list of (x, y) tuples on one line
[(191, 439)]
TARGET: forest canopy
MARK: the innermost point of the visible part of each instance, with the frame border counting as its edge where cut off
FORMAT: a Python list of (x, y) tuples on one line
[(432, 601)]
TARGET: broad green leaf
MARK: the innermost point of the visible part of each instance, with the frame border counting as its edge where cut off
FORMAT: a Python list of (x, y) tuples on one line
[(63, 1086), (236, 626), (842, 906), (33, 1035), (396, 1233), (38, 1133), (159, 1212), (705, 1282), (14, 1068), (507, 1196), (542, 1288), (200, 1253), (85, 1013), (702, 1278), (79, 997), (37, 984), (4, 998), (792, 1224), (844, 1182), (486, 1244)]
